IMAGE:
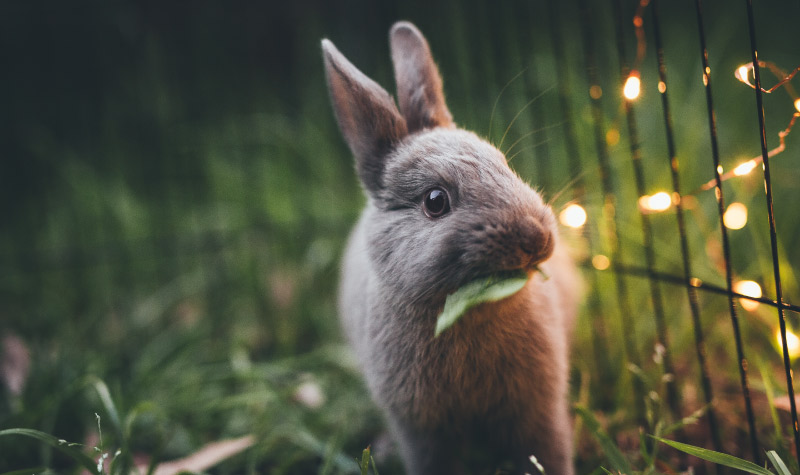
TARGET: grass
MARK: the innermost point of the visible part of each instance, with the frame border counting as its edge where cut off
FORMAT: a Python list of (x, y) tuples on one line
[(176, 197)]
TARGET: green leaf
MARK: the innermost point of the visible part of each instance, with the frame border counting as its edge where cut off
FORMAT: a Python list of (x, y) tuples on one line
[(777, 462), (716, 457), (618, 461), (59, 444), (374, 467), (489, 289), (108, 403), (26, 471), (365, 456)]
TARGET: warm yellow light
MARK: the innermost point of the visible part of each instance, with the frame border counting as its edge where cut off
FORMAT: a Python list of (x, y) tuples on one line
[(660, 201), (632, 87), (596, 92), (600, 262), (751, 289), (797, 104), (745, 168), (573, 216), (612, 137), (792, 343), (742, 73), (662, 87), (735, 216)]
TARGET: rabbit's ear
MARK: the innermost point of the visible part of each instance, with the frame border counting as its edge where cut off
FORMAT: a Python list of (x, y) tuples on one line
[(367, 115), (419, 87)]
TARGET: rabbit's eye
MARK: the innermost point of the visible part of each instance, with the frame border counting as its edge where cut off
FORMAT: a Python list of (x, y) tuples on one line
[(436, 203)]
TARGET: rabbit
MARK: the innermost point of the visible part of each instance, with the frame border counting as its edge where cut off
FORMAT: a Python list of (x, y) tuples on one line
[(443, 209)]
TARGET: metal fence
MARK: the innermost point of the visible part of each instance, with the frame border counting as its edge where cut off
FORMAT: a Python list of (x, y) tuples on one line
[(620, 261)]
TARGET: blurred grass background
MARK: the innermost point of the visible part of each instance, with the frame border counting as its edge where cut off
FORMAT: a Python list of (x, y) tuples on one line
[(175, 197)]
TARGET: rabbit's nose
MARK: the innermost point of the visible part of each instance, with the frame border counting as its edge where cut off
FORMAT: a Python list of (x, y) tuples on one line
[(536, 242)]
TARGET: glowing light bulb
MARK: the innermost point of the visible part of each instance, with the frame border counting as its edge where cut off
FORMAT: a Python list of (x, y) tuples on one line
[(735, 216), (573, 216), (751, 289), (660, 201), (662, 87), (600, 262), (745, 168), (797, 104), (633, 86), (741, 73), (792, 343)]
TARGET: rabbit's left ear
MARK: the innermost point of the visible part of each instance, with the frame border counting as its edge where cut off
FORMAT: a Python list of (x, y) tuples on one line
[(419, 86)]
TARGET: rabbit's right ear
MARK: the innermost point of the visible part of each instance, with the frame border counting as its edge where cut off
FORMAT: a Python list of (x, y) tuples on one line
[(367, 115)]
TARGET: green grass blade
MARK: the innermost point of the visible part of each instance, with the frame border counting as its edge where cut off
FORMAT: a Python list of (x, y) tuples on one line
[(61, 445), (716, 457), (365, 456), (777, 462), (374, 467), (108, 404), (618, 461), (26, 471)]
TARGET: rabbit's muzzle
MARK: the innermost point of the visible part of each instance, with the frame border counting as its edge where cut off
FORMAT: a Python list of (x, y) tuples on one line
[(521, 244), (535, 243)]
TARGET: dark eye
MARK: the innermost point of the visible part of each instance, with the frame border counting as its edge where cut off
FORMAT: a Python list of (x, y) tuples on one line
[(436, 203)]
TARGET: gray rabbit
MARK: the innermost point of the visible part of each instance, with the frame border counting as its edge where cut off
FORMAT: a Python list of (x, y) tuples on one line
[(445, 209)]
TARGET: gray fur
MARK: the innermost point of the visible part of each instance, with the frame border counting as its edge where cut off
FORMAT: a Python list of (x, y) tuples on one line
[(493, 388)]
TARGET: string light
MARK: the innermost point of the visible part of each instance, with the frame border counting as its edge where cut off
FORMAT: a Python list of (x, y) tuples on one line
[(655, 203), (600, 262), (633, 86), (792, 343), (735, 217), (750, 165), (573, 216), (745, 168), (743, 74), (751, 289)]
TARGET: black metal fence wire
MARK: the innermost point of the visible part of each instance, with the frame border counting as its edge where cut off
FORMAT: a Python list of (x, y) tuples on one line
[(712, 127), (772, 233)]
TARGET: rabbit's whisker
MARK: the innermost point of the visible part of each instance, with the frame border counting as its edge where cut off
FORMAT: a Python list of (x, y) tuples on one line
[(534, 131), (499, 95), (528, 104)]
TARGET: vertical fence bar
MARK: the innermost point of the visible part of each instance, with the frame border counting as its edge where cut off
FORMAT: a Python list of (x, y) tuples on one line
[(694, 304), (609, 202), (742, 362), (673, 399), (772, 232), (600, 333)]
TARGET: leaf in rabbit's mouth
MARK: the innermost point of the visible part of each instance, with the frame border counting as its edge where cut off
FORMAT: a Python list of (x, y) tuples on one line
[(486, 289)]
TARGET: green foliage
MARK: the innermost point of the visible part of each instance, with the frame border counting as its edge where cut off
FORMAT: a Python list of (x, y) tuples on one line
[(615, 457), (729, 460), (59, 444), (487, 289)]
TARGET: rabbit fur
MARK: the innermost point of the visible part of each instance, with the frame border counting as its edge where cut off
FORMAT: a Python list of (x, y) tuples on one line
[(493, 389)]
